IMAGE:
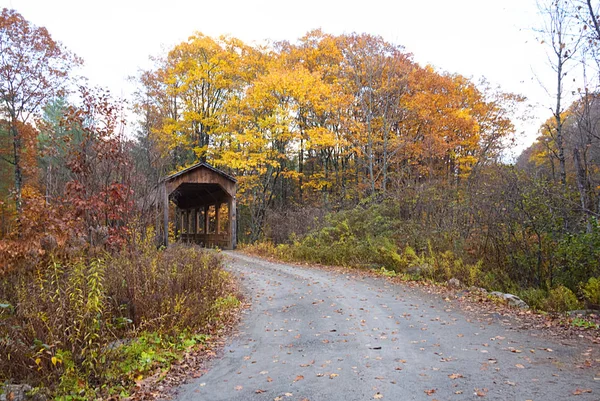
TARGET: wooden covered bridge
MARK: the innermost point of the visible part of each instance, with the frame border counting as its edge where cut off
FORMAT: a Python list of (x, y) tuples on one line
[(205, 206)]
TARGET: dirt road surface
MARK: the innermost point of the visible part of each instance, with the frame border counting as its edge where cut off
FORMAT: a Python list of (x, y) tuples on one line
[(317, 335)]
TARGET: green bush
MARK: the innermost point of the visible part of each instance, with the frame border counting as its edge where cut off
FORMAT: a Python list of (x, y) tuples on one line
[(591, 291), (535, 297), (561, 299), (131, 360), (578, 257)]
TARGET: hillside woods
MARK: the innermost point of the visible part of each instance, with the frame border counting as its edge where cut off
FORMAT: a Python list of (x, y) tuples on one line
[(346, 151)]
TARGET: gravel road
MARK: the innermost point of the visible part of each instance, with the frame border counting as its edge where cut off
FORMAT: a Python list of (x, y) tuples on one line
[(321, 335)]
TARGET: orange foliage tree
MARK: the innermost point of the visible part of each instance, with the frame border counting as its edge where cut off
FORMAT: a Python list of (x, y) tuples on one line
[(324, 121), (33, 69)]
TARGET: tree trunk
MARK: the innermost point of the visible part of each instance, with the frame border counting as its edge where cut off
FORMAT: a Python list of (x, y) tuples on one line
[(559, 124), (301, 170), (17, 147), (582, 187)]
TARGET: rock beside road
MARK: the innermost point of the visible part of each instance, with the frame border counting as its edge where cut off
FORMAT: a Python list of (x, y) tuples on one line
[(454, 283), (19, 392), (510, 299)]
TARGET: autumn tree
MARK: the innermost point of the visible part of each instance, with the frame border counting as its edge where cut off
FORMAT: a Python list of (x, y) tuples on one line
[(200, 75), (320, 122), (326, 153), (33, 69), (99, 192), (378, 72), (559, 32)]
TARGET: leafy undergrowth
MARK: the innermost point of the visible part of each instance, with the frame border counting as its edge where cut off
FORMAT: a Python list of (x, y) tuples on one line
[(471, 299), (97, 325), (551, 272), (340, 246), (191, 355)]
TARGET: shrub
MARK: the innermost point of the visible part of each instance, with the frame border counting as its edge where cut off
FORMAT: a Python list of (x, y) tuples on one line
[(168, 291), (578, 256), (131, 360), (535, 297), (60, 322), (561, 299), (591, 291)]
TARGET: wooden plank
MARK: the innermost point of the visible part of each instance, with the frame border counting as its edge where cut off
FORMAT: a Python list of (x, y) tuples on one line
[(194, 221), (232, 224), (203, 175), (165, 202), (206, 219), (217, 218)]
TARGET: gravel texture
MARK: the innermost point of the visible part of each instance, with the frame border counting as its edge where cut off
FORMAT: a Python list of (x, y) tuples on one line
[(317, 334)]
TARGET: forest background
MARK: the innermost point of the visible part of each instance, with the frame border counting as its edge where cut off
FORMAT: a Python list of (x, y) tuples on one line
[(346, 151)]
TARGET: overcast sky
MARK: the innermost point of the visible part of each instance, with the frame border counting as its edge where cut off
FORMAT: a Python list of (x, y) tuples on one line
[(472, 37)]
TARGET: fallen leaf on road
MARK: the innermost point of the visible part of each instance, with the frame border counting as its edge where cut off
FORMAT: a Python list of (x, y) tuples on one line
[(298, 378), (238, 388), (481, 392), (269, 379), (378, 396), (518, 365), (582, 391), (331, 376), (260, 391), (455, 376), (430, 392)]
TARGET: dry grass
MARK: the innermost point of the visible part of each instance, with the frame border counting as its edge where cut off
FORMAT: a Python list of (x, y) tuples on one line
[(59, 322)]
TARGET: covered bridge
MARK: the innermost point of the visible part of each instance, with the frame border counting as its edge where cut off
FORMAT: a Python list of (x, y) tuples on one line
[(205, 208)]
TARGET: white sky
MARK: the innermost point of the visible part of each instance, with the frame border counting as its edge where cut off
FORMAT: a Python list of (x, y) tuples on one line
[(472, 37)]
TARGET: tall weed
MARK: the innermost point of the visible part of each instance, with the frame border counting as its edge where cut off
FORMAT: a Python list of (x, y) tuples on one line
[(61, 324)]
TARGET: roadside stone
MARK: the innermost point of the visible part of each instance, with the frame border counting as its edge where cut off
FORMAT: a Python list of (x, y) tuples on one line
[(582, 312), (415, 270), (19, 392), (515, 301), (510, 299), (454, 282), (483, 291)]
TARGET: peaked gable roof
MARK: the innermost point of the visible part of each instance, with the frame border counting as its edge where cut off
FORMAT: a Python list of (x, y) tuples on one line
[(197, 166)]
